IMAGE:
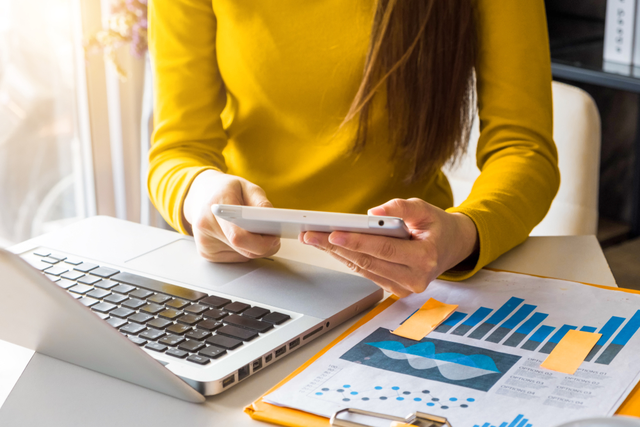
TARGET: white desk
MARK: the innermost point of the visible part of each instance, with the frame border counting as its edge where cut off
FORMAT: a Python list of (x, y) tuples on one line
[(55, 393)]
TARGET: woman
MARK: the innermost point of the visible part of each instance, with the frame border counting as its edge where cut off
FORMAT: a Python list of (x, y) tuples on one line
[(349, 106)]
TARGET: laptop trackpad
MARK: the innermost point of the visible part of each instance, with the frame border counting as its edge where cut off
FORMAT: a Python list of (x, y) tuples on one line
[(180, 261), (281, 283)]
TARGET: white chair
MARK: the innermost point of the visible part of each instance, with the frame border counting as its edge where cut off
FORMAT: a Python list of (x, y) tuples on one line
[(576, 132)]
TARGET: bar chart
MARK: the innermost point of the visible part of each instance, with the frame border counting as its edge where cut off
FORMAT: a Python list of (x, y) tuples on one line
[(519, 421), (517, 324)]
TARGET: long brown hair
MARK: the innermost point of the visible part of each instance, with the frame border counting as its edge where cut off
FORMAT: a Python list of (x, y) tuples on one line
[(425, 52)]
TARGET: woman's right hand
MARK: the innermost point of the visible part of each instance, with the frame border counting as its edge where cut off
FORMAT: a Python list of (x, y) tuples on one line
[(220, 240)]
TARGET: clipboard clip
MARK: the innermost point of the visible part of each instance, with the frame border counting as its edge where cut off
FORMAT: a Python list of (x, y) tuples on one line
[(418, 419)]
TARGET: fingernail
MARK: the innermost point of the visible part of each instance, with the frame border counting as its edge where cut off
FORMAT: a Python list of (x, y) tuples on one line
[(337, 240), (378, 210), (311, 241)]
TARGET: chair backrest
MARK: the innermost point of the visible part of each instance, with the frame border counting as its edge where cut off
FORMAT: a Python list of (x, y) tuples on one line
[(576, 132)]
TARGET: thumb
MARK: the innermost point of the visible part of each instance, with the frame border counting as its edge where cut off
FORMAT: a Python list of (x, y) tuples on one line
[(414, 212), (255, 196)]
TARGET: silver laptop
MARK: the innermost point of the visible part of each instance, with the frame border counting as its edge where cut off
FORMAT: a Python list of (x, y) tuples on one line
[(139, 304)]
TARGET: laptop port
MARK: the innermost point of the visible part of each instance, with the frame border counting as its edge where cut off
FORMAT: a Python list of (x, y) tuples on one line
[(228, 381), (312, 333), (257, 364), (243, 372), (293, 344), (280, 351), (268, 358)]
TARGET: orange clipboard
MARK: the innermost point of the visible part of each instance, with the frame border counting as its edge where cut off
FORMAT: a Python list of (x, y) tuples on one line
[(262, 411)]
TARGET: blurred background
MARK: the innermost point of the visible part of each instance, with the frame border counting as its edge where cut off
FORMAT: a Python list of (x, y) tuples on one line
[(74, 128)]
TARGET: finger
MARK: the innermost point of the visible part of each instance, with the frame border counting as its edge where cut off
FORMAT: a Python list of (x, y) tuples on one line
[(414, 281), (416, 213), (384, 283), (216, 251), (387, 248), (249, 244), (255, 196)]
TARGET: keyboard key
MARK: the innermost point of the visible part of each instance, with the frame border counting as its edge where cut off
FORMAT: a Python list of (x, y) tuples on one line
[(213, 351), (106, 284), (224, 342), (177, 303), (123, 289), (236, 332), (72, 275), (140, 318), (140, 293), (236, 307), (104, 272), (159, 298), (152, 308), (159, 323), (54, 279), (249, 323), (215, 302), (276, 318), (115, 322), (65, 284), (81, 289), (88, 280), (158, 286), (181, 354), (76, 296), (41, 252), (198, 334), (156, 347), (121, 312), (171, 340), (103, 307), (132, 328), (209, 325), (88, 301), (103, 316), (170, 313), (73, 261), (214, 314), (134, 303), (59, 257), (189, 319), (115, 298), (98, 293), (50, 260), (178, 329), (137, 340), (85, 267), (152, 334), (56, 270), (255, 312), (191, 346), (200, 360), (196, 308)]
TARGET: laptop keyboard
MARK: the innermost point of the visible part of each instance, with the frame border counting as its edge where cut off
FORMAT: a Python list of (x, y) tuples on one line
[(158, 316)]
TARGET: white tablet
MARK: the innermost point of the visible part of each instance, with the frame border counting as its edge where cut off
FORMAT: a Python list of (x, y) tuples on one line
[(288, 223)]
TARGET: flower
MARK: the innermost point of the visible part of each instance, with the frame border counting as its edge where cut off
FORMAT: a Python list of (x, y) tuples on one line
[(127, 24)]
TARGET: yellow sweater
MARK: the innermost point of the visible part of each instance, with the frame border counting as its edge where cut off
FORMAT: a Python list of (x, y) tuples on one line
[(258, 89)]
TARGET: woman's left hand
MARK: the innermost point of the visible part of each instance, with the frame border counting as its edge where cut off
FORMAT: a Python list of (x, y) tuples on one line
[(439, 241)]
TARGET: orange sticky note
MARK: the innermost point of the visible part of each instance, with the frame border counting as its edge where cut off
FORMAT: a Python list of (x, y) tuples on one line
[(571, 351), (425, 320)]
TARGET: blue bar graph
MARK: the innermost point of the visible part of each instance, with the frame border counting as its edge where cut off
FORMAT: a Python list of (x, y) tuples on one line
[(620, 340), (455, 318), (472, 321), (502, 331), (538, 336), (525, 329), (497, 317), (607, 331), (588, 329), (555, 339), (519, 421)]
